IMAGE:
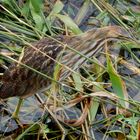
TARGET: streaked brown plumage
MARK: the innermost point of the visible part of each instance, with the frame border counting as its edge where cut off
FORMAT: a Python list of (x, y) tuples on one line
[(21, 81)]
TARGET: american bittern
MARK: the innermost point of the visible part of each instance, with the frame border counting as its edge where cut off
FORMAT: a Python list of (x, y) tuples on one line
[(43, 56)]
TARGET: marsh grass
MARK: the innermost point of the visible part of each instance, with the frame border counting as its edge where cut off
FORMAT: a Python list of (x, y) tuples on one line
[(112, 80)]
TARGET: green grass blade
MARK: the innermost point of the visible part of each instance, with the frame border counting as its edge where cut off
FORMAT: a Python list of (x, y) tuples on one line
[(69, 23), (117, 83)]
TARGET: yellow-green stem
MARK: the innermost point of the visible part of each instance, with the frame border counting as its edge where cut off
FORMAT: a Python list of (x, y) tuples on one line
[(16, 112)]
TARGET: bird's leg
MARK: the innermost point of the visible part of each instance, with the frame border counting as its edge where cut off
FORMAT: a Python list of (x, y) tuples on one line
[(16, 112)]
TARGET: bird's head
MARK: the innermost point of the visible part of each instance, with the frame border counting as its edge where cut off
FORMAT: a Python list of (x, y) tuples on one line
[(114, 32)]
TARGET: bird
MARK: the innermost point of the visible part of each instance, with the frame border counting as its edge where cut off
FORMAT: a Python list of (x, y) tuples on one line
[(70, 52)]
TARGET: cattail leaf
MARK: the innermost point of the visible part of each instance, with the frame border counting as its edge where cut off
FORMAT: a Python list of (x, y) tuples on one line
[(78, 82), (25, 10), (37, 5), (93, 110), (51, 18), (117, 84), (83, 11), (37, 14), (69, 23), (57, 8)]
